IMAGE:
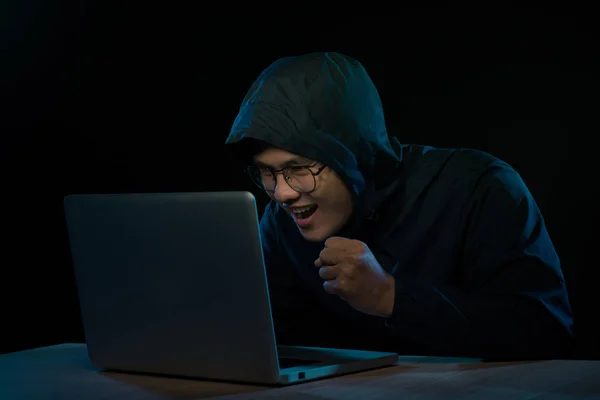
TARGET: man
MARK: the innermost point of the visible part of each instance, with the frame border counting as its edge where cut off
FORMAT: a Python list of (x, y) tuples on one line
[(376, 245)]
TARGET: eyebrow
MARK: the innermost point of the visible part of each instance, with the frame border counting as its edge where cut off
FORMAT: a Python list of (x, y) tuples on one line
[(289, 163)]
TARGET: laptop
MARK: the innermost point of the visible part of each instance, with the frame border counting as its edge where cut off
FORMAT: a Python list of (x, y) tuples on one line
[(175, 284)]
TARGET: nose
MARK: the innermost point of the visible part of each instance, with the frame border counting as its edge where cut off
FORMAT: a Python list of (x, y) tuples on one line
[(283, 192)]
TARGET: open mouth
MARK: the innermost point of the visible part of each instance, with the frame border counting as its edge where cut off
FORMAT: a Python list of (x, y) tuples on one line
[(304, 212)]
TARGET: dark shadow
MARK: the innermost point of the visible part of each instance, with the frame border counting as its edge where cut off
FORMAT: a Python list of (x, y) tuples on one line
[(496, 364), (180, 387)]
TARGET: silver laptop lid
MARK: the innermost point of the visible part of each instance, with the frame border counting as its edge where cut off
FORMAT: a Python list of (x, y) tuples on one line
[(173, 283)]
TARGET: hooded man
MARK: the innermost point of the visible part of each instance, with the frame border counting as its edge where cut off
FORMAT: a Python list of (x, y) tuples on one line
[(371, 244)]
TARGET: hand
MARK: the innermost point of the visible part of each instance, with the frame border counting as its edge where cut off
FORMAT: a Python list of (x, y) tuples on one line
[(351, 271)]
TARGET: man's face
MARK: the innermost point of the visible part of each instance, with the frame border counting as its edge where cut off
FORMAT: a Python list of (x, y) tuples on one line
[(330, 202)]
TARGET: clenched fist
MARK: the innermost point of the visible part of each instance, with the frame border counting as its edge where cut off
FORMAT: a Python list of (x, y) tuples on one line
[(351, 271)]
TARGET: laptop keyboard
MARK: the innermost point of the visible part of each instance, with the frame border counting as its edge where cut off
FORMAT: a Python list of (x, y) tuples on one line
[(294, 362)]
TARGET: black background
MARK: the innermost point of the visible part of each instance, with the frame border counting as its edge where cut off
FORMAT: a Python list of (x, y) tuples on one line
[(116, 97)]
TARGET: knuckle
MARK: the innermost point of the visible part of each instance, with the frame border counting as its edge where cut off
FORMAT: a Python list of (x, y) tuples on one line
[(356, 244), (363, 248), (329, 286)]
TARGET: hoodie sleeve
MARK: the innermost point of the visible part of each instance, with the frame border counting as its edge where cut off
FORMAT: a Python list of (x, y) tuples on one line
[(516, 304)]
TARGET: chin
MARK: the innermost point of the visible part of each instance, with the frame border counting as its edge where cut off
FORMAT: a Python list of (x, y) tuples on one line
[(314, 238), (316, 235)]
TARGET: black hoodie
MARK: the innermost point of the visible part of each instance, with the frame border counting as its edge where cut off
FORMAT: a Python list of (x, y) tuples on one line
[(475, 270)]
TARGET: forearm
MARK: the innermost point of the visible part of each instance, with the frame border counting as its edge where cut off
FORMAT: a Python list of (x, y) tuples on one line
[(452, 322)]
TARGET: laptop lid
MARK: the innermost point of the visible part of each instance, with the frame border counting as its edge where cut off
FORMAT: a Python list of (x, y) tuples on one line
[(173, 283)]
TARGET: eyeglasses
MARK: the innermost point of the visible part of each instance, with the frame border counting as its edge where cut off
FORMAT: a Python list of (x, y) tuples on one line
[(300, 178)]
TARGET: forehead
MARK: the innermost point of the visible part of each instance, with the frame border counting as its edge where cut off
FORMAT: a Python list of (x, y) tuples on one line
[(278, 158)]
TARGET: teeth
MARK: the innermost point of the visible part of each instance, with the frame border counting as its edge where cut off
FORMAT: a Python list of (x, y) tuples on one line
[(301, 210)]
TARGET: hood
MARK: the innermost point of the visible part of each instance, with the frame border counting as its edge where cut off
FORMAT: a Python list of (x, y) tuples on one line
[(323, 106)]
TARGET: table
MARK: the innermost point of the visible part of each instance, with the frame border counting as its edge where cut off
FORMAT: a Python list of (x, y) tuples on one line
[(65, 372)]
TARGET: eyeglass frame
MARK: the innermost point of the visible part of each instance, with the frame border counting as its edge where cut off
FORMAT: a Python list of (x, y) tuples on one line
[(276, 172)]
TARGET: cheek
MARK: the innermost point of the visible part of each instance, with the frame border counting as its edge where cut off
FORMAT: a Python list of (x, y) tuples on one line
[(338, 202), (334, 197)]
